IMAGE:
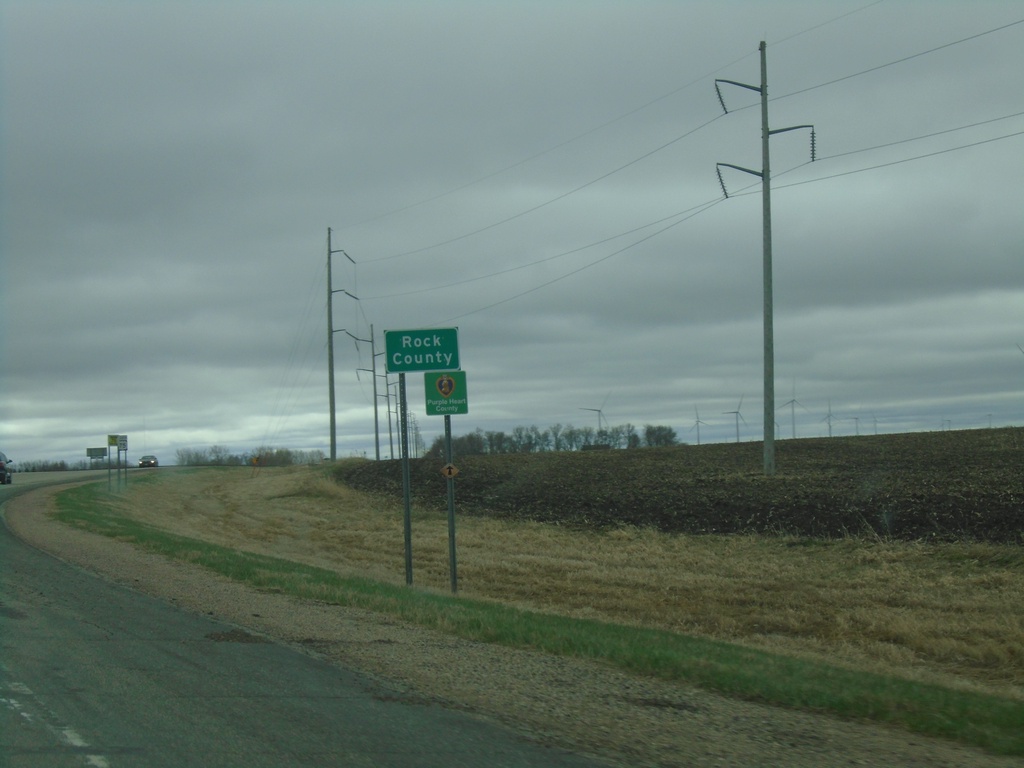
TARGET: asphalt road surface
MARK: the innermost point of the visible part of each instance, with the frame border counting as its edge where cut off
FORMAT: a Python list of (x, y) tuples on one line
[(94, 674)]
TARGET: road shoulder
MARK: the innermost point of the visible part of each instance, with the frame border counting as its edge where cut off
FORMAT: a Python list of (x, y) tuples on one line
[(578, 705)]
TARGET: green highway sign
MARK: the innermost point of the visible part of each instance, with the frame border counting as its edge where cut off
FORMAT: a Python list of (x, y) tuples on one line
[(446, 393), (425, 349)]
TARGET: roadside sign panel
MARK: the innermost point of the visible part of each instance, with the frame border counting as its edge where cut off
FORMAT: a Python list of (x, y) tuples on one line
[(446, 393), (424, 349)]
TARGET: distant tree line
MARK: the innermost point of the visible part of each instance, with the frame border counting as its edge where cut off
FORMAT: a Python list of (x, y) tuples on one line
[(560, 437), (51, 466), (219, 456), (214, 456)]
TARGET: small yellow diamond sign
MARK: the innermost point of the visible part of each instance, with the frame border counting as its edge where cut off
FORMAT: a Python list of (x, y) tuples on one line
[(449, 470)]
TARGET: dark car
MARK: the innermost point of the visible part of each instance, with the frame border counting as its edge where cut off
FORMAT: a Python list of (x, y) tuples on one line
[(148, 461), (5, 470)]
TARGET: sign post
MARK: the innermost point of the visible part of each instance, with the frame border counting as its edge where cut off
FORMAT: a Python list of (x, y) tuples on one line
[(446, 394), (122, 445), (406, 493), (423, 349), (112, 443), (449, 473)]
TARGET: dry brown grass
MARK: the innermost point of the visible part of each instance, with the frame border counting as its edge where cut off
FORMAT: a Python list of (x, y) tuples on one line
[(948, 613)]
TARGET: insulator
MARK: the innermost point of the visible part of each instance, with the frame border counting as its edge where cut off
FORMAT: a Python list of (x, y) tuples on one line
[(721, 181), (814, 154), (720, 99)]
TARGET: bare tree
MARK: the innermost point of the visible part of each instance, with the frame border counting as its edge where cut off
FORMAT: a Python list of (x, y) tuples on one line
[(658, 436)]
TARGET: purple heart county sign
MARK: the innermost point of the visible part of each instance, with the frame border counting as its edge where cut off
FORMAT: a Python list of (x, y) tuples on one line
[(446, 393)]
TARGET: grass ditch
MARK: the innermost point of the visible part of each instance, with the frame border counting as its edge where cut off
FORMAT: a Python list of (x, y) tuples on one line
[(987, 721)]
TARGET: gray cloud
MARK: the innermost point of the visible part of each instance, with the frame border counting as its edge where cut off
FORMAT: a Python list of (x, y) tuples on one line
[(540, 175)]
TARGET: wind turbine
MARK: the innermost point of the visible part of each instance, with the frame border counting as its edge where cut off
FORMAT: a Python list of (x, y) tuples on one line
[(600, 413), (738, 417), (792, 409), (828, 418), (697, 423)]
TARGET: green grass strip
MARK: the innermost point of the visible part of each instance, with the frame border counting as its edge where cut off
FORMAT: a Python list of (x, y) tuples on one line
[(990, 722)]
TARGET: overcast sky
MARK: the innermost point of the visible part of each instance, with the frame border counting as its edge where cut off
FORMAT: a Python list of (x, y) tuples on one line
[(540, 175)]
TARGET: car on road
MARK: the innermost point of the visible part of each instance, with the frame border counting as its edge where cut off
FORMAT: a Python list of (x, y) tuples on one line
[(148, 461), (5, 470)]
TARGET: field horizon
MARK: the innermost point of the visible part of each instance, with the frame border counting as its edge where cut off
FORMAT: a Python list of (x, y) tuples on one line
[(950, 485)]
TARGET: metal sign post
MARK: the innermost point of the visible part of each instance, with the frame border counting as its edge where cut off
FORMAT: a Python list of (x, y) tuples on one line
[(112, 442), (406, 492), (450, 473), (423, 349), (446, 393), (122, 445)]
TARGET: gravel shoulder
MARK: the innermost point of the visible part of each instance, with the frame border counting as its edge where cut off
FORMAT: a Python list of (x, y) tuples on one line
[(582, 706)]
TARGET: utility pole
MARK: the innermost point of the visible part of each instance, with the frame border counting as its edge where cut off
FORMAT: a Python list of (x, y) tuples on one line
[(330, 342), (330, 349), (766, 206), (372, 370), (392, 395)]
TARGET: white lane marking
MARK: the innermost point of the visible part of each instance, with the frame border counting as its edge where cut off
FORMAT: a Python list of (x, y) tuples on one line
[(71, 738), (16, 706), (65, 733)]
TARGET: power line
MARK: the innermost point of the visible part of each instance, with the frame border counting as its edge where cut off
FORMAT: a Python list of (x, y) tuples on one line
[(825, 23), (648, 154), (539, 261), (904, 160), (587, 266), (595, 129), (525, 160), (705, 206), (903, 60), (924, 136), (546, 203), (702, 205)]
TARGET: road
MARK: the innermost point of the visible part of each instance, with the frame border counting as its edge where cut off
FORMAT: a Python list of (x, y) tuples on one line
[(98, 675)]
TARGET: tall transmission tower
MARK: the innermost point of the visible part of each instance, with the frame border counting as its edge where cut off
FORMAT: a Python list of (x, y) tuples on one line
[(330, 340), (765, 174), (372, 370)]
